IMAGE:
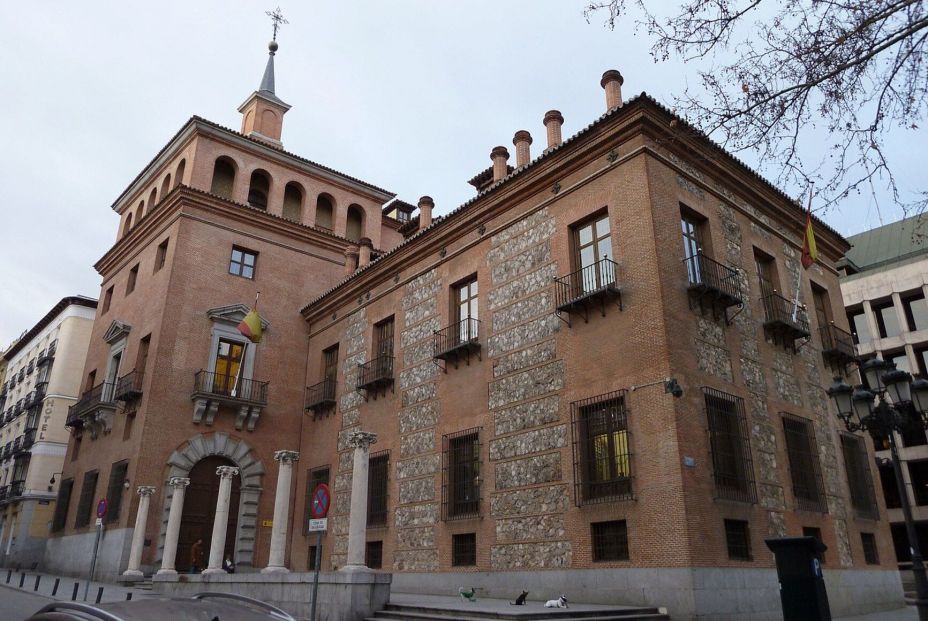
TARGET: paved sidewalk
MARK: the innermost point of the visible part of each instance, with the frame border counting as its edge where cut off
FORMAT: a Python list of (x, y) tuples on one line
[(909, 613), (111, 592)]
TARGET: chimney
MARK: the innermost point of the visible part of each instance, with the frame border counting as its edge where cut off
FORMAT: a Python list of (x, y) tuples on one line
[(553, 121), (364, 256), (500, 156), (612, 81), (351, 260), (425, 211), (522, 140)]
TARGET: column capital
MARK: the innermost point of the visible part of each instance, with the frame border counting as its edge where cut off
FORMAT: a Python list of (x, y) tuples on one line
[(178, 482), (361, 439), (147, 490), (286, 457), (227, 472)]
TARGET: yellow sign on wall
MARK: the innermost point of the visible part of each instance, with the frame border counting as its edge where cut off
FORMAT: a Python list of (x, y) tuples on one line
[(267, 523)]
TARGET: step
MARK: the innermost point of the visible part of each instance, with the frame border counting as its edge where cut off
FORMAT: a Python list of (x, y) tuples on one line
[(532, 611), (463, 615)]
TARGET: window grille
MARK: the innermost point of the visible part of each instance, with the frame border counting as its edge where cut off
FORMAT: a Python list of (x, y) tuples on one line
[(729, 440), (804, 469), (383, 337), (610, 540), (377, 478), (62, 504), (373, 554), (738, 539), (460, 490), (85, 504), (114, 490), (464, 550), (311, 559), (815, 533), (602, 459), (856, 464), (314, 477), (868, 540)]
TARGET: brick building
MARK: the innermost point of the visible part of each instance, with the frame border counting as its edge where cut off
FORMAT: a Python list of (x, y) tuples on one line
[(564, 401)]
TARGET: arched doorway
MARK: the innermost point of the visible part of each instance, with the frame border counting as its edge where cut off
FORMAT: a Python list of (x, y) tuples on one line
[(200, 509)]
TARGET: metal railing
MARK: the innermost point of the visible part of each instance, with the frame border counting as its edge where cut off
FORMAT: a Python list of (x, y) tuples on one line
[(836, 340), (375, 371), (30, 399), (47, 355), (784, 312), (7, 450), (463, 333), (28, 439), (320, 395), (17, 488), (129, 386), (585, 282), (101, 394), (230, 387), (704, 272), (4, 492)]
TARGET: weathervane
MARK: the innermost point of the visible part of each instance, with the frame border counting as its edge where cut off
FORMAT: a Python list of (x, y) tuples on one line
[(278, 18)]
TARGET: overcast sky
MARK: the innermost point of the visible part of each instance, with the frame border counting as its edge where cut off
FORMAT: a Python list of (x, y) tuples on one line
[(408, 95)]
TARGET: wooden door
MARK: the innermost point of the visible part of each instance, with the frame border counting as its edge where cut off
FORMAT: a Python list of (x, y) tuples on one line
[(200, 510)]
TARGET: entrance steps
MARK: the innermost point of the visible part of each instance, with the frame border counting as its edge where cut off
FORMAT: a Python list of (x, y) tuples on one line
[(143, 585), (487, 609)]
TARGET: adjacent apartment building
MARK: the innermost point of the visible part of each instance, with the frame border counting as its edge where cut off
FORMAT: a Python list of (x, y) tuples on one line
[(591, 378), (885, 290), (43, 379)]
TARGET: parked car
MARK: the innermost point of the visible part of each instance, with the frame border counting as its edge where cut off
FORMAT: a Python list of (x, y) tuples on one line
[(200, 607)]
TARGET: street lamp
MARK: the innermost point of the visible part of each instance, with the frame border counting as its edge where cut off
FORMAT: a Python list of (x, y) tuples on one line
[(891, 402)]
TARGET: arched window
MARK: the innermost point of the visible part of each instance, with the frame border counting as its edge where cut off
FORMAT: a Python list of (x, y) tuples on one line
[(128, 225), (179, 173), (152, 200), (293, 202), (258, 190), (223, 178), (165, 186), (355, 223), (324, 211), (140, 211)]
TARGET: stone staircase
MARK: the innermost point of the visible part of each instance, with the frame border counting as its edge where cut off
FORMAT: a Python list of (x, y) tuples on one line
[(143, 585), (530, 612)]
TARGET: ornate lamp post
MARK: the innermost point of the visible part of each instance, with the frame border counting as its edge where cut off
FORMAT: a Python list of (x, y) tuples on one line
[(894, 402)]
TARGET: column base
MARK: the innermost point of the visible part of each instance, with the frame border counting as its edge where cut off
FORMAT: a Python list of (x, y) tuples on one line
[(166, 572), (353, 569), (214, 570), (275, 570), (133, 573)]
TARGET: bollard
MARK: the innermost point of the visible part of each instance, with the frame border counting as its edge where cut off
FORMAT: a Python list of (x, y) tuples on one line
[(55, 588), (9, 574), (22, 580), (74, 594), (128, 596), (37, 578), (99, 595)]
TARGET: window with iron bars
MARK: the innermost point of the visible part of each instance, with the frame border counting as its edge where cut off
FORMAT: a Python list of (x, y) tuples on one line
[(85, 504), (314, 477), (602, 459), (857, 467), (610, 540), (729, 440), (114, 490), (373, 554), (62, 505), (377, 478), (868, 540), (815, 533), (464, 550), (804, 469), (738, 540), (461, 474)]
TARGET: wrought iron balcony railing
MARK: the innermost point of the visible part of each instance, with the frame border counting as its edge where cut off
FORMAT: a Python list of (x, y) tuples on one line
[(17, 489), (837, 345), (785, 319), (596, 282), (7, 451), (30, 399), (4, 492), (17, 445), (321, 397), (375, 373), (229, 388), (713, 284), (47, 355), (129, 386), (100, 396), (460, 339), (28, 439)]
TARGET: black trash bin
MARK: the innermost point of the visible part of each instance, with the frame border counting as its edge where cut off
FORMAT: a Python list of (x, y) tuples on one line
[(802, 586)]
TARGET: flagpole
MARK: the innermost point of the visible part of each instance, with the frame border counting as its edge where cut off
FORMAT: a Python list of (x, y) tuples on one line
[(799, 275), (241, 366)]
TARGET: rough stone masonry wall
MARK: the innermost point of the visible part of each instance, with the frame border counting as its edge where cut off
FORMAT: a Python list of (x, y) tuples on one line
[(529, 500), (419, 461), (350, 407)]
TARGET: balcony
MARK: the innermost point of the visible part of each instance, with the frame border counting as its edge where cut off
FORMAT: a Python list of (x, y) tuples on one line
[(47, 355), (31, 399), (785, 321), (210, 390), (17, 445), (838, 347), (320, 398), (375, 374), (459, 340), (25, 441), (7, 451), (713, 286), (94, 410), (129, 387), (594, 284), (4, 492), (17, 489)]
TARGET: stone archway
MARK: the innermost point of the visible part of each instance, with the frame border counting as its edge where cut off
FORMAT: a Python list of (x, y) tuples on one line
[(251, 472)]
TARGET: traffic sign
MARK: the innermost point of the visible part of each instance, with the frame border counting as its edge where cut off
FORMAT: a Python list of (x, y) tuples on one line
[(101, 508), (318, 525), (319, 508)]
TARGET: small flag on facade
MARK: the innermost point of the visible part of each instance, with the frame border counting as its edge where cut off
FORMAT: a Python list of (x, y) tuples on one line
[(250, 326), (809, 251)]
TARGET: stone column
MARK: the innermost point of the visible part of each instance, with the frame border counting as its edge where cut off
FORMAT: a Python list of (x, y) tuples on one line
[(357, 516), (168, 557), (138, 535), (275, 563), (221, 522)]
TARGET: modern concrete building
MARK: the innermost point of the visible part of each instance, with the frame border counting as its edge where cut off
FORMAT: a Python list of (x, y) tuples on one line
[(885, 291), (587, 379), (43, 379)]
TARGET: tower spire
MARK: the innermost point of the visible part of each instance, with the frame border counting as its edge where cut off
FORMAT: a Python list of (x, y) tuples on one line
[(267, 81), (263, 111)]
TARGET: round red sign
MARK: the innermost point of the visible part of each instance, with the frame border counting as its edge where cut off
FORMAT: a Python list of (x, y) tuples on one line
[(101, 508), (319, 507)]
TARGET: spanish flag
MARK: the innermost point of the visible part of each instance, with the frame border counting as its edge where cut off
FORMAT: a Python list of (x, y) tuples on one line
[(250, 326), (809, 251)]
